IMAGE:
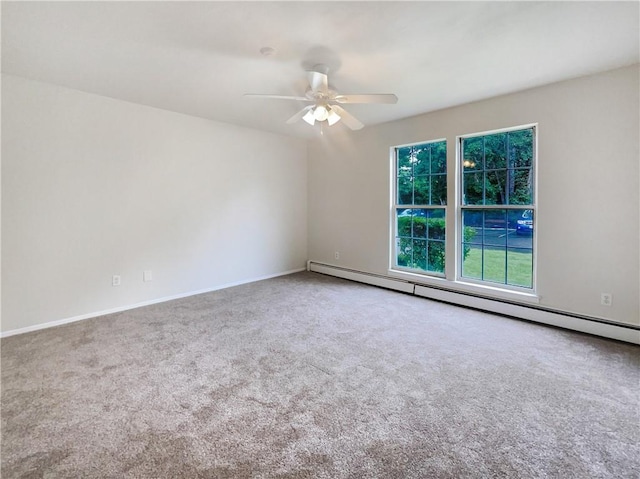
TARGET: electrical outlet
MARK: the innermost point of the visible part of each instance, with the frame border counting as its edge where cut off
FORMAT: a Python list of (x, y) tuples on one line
[(606, 299), (337, 255), (116, 280), (147, 275)]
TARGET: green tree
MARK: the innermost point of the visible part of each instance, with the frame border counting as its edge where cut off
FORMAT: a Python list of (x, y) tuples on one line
[(498, 168), (422, 174), (421, 243)]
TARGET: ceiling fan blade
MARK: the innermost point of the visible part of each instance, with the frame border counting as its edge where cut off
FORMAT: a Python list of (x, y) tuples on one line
[(300, 114), (318, 82), (348, 119), (371, 98), (277, 97)]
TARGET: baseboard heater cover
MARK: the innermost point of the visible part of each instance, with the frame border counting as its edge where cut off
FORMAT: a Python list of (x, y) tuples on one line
[(368, 278), (529, 313)]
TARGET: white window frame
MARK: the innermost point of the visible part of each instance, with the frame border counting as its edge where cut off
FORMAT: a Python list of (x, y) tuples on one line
[(459, 207), (393, 224), (452, 279)]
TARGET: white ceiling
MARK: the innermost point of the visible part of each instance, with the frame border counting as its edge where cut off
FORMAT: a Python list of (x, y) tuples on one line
[(199, 58)]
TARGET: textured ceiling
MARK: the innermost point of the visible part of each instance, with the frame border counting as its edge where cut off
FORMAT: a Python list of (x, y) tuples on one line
[(199, 58)]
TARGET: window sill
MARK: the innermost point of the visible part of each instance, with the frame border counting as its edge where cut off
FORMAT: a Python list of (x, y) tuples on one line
[(487, 291)]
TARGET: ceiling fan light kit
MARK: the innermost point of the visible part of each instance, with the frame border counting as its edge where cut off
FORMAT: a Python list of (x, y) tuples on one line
[(309, 117), (320, 113), (333, 117), (326, 101)]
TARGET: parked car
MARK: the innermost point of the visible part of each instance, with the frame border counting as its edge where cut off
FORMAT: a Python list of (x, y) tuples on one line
[(525, 224), (416, 212)]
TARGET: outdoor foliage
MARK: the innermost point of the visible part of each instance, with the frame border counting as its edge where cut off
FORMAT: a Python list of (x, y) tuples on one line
[(498, 169), (421, 243), (422, 174)]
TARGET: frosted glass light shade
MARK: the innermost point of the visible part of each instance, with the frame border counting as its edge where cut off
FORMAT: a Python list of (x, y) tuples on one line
[(333, 118), (309, 118), (320, 113)]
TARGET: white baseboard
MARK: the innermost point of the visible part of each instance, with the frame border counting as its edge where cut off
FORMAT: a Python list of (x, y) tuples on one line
[(60, 322), (375, 280), (530, 313)]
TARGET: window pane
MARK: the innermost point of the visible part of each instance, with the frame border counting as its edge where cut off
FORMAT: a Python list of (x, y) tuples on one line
[(404, 162), (439, 157), (521, 148), (524, 228), (436, 224), (435, 256), (495, 228), (404, 222), (472, 261), (495, 151), (404, 250), (473, 151), (405, 190), (520, 267), (421, 190), (495, 187), (421, 181), (521, 187), (439, 189), (473, 225), (421, 161), (503, 182), (419, 223), (413, 250), (420, 254), (497, 244), (472, 189), (494, 266), (472, 244)]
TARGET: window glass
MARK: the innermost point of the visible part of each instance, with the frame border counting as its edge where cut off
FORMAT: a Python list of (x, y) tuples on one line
[(420, 209), (497, 205), (495, 225)]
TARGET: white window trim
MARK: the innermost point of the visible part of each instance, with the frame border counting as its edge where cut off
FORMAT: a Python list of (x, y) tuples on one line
[(452, 279), (393, 226), (458, 207)]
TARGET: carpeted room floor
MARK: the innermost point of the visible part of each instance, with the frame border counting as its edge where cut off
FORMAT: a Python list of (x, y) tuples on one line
[(308, 376)]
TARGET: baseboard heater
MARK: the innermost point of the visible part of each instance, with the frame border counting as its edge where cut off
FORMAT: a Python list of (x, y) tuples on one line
[(584, 324)]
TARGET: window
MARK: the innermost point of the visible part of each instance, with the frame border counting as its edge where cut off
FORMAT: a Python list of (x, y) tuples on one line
[(493, 221), (497, 206), (420, 207)]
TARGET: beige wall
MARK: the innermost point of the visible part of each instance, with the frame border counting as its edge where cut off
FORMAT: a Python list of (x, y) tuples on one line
[(588, 183), (93, 187)]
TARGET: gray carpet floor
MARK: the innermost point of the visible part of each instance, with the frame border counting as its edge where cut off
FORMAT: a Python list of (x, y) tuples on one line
[(308, 376)]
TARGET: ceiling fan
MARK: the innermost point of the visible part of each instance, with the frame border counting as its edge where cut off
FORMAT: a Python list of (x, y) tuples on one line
[(326, 101)]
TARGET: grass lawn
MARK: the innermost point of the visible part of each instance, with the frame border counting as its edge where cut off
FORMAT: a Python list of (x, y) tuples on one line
[(518, 267)]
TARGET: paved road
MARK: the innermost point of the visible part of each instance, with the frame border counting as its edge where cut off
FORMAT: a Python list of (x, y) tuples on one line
[(499, 238)]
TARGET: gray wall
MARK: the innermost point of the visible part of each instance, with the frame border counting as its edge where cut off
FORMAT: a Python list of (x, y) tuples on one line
[(588, 183), (93, 187)]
